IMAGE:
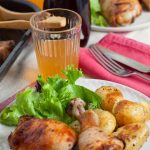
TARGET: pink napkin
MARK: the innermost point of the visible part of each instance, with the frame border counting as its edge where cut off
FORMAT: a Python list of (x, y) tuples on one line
[(127, 47)]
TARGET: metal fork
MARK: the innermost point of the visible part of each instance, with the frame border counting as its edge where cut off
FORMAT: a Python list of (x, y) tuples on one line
[(112, 66)]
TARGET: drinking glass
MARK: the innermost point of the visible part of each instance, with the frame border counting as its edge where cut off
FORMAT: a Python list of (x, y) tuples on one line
[(56, 47)]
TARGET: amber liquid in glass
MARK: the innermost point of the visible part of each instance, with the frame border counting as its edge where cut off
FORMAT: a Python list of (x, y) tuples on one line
[(54, 55)]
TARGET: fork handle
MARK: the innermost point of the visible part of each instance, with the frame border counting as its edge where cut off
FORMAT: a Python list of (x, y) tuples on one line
[(143, 76)]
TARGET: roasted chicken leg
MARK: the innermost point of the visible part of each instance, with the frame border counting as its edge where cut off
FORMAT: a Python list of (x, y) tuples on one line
[(134, 135), (91, 136), (120, 12), (42, 134)]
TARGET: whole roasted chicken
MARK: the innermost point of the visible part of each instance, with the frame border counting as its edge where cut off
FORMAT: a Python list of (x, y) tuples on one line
[(42, 134), (120, 12)]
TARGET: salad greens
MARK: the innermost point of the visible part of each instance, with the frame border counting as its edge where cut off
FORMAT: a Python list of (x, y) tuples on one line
[(96, 16), (50, 99)]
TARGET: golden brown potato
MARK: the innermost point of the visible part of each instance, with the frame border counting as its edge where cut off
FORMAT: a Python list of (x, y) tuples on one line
[(133, 135), (127, 112), (110, 95), (107, 121)]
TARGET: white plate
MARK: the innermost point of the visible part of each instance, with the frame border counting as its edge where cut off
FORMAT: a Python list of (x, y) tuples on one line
[(141, 22), (92, 84)]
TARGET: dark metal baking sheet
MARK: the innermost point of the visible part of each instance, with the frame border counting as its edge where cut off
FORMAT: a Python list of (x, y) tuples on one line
[(19, 36)]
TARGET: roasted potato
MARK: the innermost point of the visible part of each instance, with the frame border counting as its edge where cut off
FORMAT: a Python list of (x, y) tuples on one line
[(133, 135), (107, 121), (110, 95), (127, 112)]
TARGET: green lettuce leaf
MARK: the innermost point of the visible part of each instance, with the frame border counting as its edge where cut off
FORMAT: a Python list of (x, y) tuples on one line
[(95, 6), (96, 15), (10, 116), (75, 91), (72, 74), (51, 99), (25, 102)]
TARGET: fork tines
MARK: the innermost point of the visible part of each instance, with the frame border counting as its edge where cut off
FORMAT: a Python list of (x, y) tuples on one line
[(112, 66), (106, 62)]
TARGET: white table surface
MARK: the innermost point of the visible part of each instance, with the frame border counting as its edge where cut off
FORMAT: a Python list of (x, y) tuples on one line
[(24, 70)]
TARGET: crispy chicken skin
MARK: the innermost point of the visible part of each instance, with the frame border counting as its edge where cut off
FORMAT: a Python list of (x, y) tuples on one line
[(120, 12), (42, 134), (134, 135)]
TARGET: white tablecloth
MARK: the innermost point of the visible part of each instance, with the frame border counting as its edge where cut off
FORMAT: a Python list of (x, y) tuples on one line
[(24, 69)]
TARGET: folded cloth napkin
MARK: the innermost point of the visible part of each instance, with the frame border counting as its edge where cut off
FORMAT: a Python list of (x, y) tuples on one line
[(124, 46)]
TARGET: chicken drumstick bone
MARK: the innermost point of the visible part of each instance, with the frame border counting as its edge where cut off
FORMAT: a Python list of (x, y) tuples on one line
[(91, 136)]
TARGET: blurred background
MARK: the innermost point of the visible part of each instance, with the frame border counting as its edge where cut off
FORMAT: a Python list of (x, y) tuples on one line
[(39, 3)]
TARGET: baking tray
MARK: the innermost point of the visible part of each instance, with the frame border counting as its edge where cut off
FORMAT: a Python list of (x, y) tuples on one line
[(19, 36)]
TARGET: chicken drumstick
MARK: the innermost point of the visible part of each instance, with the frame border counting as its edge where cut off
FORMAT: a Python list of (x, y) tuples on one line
[(91, 136)]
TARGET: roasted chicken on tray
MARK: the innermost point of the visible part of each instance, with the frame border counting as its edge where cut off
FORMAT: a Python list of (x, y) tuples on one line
[(120, 12)]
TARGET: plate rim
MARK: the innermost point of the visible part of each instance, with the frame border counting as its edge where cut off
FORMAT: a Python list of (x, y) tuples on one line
[(119, 84), (120, 29), (131, 27)]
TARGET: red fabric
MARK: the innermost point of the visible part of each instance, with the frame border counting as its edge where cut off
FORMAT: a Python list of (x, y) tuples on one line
[(122, 45)]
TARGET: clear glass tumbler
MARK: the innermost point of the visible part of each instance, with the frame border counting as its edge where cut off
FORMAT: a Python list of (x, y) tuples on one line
[(56, 47)]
